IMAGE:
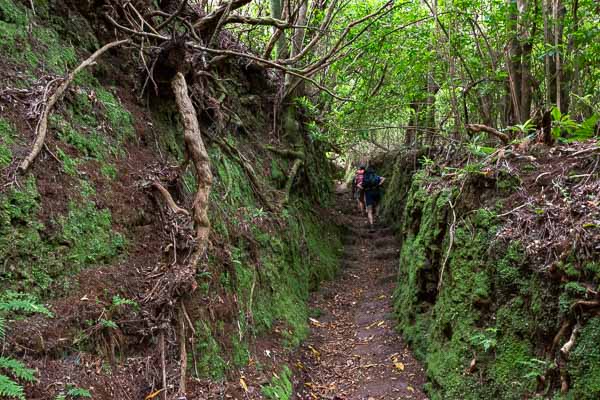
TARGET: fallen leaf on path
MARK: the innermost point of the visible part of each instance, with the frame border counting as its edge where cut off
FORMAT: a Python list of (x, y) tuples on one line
[(410, 389), (314, 351), (153, 394), (399, 366), (243, 385)]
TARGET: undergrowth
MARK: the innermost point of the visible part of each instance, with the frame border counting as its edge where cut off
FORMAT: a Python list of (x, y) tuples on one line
[(7, 138)]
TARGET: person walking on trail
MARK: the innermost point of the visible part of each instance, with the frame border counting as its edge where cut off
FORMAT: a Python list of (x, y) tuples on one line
[(371, 184), (357, 191)]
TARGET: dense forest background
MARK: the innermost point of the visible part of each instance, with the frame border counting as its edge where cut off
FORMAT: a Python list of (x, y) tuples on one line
[(167, 191)]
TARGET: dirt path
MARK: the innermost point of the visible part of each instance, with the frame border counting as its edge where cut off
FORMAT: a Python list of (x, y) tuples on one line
[(353, 352)]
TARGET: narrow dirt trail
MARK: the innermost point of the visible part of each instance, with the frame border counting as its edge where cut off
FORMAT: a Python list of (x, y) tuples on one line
[(353, 352)]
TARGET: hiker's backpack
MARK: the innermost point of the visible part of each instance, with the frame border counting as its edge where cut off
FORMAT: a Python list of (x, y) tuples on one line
[(370, 181), (360, 176)]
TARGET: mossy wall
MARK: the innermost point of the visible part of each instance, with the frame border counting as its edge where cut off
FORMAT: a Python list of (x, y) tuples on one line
[(272, 263), (484, 326)]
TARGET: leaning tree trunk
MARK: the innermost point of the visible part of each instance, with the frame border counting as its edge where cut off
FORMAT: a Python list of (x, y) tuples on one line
[(198, 154)]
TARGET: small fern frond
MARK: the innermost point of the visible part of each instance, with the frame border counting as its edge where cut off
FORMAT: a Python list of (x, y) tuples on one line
[(10, 389), (76, 392), (23, 305), (2, 327), (17, 368)]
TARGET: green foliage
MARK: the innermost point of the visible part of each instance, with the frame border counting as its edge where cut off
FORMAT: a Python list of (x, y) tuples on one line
[(17, 369), (523, 129), (74, 392), (118, 302), (119, 118), (7, 135), (485, 340), (584, 361), (566, 129), (10, 369), (10, 389), (210, 362), (534, 368), (89, 234), (280, 387)]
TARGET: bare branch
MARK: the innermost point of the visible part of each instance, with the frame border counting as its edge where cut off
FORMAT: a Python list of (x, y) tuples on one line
[(270, 64), (173, 16), (42, 126), (484, 128), (267, 21)]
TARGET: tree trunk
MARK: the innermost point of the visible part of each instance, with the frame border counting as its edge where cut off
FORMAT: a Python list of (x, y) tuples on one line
[(199, 156), (276, 12)]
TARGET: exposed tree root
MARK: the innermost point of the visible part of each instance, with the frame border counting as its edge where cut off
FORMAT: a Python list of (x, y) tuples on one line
[(175, 209), (286, 152), (182, 352), (163, 364), (484, 128), (42, 126), (563, 357), (568, 346), (559, 335), (199, 156)]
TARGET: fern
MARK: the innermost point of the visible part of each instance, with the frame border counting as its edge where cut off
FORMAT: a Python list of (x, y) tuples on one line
[(24, 306), (10, 389), (18, 369), (74, 392), (11, 303), (79, 392)]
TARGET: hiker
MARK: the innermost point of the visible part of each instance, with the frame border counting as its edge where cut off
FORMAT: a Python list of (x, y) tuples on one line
[(357, 191), (371, 186)]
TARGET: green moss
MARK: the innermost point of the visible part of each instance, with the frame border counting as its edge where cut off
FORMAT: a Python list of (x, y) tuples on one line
[(54, 55), (69, 165), (209, 362), (280, 387), (593, 270), (7, 138), (119, 118), (507, 369), (240, 353), (37, 255), (12, 13), (507, 183), (34, 47), (108, 171), (584, 361), (88, 232)]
